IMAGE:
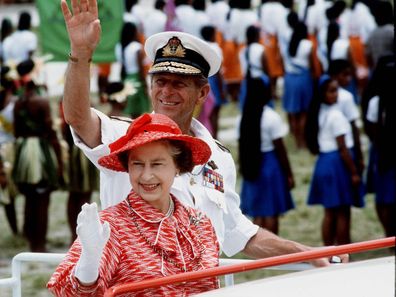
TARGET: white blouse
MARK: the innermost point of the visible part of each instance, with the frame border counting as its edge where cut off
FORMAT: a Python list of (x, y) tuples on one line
[(332, 123)]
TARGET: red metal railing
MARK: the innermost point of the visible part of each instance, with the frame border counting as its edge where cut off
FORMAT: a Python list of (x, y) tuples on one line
[(261, 263)]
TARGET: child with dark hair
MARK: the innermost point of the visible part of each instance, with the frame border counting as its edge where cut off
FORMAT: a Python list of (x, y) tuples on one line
[(129, 52), (266, 171), (217, 85), (381, 126), (342, 71), (253, 61), (336, 183), (298, 82), (21, 44), (38, 166)]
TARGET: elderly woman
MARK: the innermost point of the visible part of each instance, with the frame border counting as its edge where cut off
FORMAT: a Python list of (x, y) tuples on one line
[(150, 234)]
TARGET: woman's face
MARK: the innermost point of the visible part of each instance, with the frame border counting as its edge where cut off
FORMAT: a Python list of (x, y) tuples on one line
[(152, 170), (331, 93)]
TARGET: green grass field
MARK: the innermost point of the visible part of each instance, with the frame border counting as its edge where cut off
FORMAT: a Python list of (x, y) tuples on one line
[(301, 224)]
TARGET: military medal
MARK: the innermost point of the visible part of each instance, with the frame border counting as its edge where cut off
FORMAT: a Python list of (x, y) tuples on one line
[(213, 179)]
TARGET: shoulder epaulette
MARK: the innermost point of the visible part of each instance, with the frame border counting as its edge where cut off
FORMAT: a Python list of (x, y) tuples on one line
[(222, 146), (122, 119)]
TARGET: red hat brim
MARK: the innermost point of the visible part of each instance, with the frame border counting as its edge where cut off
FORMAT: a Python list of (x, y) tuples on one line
[(200, 150)]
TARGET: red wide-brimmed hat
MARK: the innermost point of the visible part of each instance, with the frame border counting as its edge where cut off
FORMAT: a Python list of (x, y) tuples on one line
[(148, 128)]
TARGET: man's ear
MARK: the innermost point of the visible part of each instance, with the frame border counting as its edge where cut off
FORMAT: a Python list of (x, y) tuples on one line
[(204, 91)]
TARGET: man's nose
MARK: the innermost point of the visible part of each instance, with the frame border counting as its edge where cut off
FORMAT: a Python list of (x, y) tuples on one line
[(167, 89)]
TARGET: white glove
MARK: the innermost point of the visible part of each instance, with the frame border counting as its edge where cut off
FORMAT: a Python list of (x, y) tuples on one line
[(93, 238)]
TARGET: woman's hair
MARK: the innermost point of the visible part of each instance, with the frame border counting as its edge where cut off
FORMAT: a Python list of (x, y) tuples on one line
[(180, 153), (249, 142), (6, 28), (385, 74), (252, 34), (333, 32), (24, 21), (309, 3), (383, 13), (337, 66), (129, 4), (159, 4), (182, 2), (208, 32), (199, 5), (300, 32), (333, 12), (312, 125), (128, 34)]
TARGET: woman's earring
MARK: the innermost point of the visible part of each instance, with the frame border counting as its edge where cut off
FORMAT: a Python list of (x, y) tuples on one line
[(177, 174)]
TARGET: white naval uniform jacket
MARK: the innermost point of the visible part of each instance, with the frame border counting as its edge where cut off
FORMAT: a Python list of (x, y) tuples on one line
[(233, 229)]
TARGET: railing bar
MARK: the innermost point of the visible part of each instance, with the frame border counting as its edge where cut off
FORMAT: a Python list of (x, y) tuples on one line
[(261, 263)]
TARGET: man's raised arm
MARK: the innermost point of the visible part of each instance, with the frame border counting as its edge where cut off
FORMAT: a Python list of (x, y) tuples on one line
[(83, 27)]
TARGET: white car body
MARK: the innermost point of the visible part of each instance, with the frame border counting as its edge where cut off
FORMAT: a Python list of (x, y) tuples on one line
[(368, 278)]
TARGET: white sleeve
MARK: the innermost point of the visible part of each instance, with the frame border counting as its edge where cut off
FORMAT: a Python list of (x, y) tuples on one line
[(372, 110), (110, 130), (278, 127), (238, 228), (338, 124), (114, 186), (349, 107)]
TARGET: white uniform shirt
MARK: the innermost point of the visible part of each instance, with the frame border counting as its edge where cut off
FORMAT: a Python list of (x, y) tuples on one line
[(347, 105), (316, 18), (256, 51), (200, 20), (301, 59), (217, 13), (215, 46), (360, 22), (17, 46), (340, 49), (272, 127), (332, 123), (272, 17), (154, 22), (184, 15), (130, 56), (233, 229), (372, 110), (240, 20)]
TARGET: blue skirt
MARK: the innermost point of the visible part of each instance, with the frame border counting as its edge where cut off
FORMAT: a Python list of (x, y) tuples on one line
[(386, 187), (298, 91), (214, 86), (269, 194), (383, 184), (331, 183)]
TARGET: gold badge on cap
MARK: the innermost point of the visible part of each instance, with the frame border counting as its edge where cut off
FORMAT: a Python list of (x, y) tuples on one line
[(174, 48)]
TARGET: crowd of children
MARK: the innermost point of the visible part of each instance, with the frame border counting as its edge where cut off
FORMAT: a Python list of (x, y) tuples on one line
[(331, 58)]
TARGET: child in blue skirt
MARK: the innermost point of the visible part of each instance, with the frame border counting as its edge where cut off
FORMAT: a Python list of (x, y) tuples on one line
[(381, 126), (336, 183), (267, 175)]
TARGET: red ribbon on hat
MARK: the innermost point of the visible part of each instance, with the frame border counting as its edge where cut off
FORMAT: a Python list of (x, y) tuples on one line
[(142, 124)]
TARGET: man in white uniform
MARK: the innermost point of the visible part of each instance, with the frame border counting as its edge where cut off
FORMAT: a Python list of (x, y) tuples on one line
[(179, 72)]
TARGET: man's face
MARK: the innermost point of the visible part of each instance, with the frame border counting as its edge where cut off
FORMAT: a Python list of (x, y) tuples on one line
[(176, 96)]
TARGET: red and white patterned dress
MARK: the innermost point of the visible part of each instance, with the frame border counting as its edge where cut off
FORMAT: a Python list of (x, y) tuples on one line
[(145, 244)]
